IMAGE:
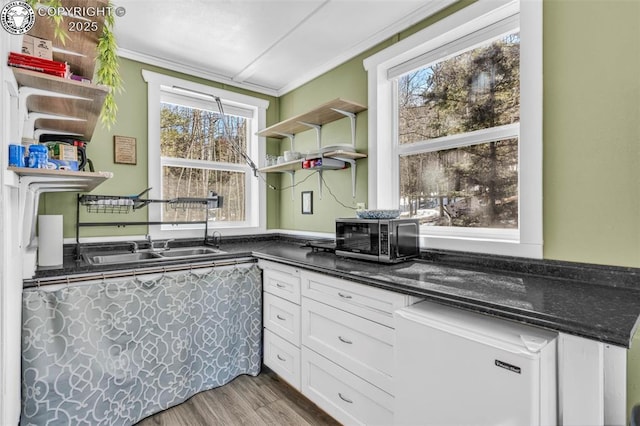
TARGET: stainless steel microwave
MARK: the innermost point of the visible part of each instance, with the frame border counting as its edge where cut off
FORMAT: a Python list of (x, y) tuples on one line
[(379, 240)]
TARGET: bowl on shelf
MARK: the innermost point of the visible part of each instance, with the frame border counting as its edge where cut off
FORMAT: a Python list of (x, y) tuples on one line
[(378, 214)]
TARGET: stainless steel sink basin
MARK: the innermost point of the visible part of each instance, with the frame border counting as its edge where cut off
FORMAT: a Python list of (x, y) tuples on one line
[(121, 258), (141, 256), (190, 251)]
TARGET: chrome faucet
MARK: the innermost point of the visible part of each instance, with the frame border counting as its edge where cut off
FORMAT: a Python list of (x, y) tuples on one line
[(152, 247), (134, 246), (213, 240)]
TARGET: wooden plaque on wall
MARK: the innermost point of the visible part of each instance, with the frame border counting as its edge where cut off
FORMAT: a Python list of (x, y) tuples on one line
[(124, 150)]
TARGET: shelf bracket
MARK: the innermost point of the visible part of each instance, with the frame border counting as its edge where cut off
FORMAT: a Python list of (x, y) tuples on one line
[(292, 174), (30, 122), (352, 119), (292, 138), (320, 184), (38, 132), (25, 92), (30, 190), (318, 128)]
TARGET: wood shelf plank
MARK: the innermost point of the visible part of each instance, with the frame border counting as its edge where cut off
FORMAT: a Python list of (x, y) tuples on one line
[(87, 181), (81, 45), (290, 166), (87, 109), (321, 115)]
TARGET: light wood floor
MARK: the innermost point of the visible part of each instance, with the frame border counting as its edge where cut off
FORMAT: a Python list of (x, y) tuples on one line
[(254, 401)]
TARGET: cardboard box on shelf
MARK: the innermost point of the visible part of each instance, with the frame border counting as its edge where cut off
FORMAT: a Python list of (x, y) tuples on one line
[(38, 47), (61, 151), (62, 165)]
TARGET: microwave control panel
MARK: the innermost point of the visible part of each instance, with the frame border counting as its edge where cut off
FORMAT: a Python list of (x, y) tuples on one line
[(384, 239)]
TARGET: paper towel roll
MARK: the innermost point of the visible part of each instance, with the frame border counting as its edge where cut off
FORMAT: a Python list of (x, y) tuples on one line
[(50, 240)]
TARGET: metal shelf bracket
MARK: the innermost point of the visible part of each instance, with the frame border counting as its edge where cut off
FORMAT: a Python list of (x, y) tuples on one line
[(318, 129), (352, 119)]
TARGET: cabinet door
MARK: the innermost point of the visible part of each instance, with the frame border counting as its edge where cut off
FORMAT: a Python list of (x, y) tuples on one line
[(366, 301), (359, 345), (283, 358), (282, 317), (281, 280), (343, 395)]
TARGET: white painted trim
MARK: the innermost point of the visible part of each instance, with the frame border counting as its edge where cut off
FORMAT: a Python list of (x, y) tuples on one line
[(418, 15), (580, 381), (465, 139), (11, 249), (255, 214), (240, 80), (193, 71), (615, 385), (384, 153)]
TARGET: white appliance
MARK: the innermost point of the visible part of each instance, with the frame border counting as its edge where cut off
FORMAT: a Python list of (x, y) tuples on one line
[(454, 367)]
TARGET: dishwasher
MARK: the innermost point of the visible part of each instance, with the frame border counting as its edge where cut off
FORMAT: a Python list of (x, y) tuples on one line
[(455, 367)]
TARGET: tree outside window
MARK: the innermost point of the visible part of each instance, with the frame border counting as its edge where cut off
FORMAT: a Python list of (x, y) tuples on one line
[(472, 185)]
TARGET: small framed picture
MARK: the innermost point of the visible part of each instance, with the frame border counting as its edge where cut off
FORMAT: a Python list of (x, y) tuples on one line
[(124, 150), (307, 202)]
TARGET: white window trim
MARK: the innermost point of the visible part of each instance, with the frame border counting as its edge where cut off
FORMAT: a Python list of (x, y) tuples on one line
[(384, 180), (255, 210)]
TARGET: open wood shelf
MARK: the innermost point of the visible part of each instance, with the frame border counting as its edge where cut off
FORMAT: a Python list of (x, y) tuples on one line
[(84, 107), (321, 115), (78, 181)]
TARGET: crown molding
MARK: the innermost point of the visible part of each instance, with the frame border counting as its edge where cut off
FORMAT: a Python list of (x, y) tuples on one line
[(413, 18), (193, 71)]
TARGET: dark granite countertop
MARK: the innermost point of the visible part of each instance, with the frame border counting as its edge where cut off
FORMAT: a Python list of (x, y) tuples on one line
[(597, 302)]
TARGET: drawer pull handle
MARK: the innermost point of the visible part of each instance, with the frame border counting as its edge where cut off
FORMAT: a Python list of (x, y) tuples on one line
[(345, 399), (281, 318), (343, 340), (344, 296), (280, 358), (279, 285)]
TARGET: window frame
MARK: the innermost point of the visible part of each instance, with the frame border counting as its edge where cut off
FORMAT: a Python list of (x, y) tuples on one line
[(200, 96), (384, 180)]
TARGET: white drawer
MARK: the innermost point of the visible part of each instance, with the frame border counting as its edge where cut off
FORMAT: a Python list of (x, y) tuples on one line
[(346, 397), (357, 344), (283, 358), (367, 301), (281, 280), (282, 317)]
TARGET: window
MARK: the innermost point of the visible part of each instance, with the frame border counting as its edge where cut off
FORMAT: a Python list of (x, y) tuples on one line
[(194, 151), (470, 94), (462, 130)]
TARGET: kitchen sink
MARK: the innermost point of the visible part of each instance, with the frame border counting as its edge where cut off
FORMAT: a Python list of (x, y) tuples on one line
[(106, 259), (189, 251), (141, 256)]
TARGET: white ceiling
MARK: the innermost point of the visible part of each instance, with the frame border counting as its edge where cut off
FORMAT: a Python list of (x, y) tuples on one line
[(270, 46)]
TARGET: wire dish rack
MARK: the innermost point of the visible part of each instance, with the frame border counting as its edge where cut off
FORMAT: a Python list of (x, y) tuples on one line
[(110, 204), (124, 204), (120, 204)]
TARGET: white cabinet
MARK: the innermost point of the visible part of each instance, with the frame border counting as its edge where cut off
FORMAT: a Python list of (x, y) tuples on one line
[(363, 300), (342, 394), (281, 280), (358, 344), (281, 320), (347, 347), (282, 317)]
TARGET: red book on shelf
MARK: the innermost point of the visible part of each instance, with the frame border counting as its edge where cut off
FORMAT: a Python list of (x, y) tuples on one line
[(38, 64)]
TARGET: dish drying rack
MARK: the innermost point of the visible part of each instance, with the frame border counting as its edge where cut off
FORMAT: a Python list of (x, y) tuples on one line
[(122, 204)]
